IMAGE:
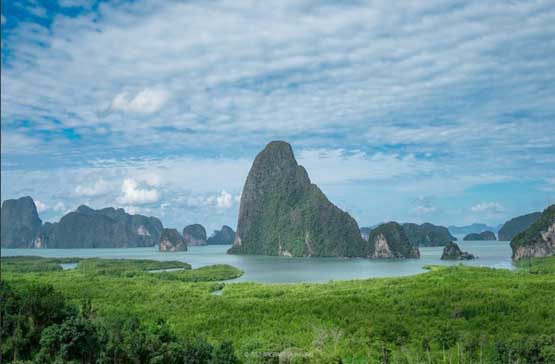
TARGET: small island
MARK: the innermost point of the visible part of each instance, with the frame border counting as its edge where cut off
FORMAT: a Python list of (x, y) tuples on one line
[(389, 241), (484, 235), (172, 241), (451, 251)]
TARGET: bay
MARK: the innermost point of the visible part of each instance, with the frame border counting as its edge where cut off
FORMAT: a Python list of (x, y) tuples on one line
[(265, 269)]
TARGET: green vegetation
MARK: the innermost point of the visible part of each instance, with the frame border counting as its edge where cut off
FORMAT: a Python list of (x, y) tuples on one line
[(545, 265), (516, 225), (427, 234), (218, 272), (397, 242), (283, 213), (448, 315), (127, 266), (25, 264), (40, 326), (533, 234)]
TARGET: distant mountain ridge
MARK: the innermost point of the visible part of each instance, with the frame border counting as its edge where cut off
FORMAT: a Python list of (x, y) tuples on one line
[(472, 228)]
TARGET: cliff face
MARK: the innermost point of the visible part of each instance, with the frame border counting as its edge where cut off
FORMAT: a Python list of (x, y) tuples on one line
[(539, 239), (427, 234), (283, 213), (484, 235), (20, 223), (171, 241), (105, 228), (390, 241), (194, 235), (514, 226), (224, 236), (451, 251)]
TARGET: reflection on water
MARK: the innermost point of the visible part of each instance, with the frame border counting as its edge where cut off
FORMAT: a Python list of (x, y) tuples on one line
[(496, 254)]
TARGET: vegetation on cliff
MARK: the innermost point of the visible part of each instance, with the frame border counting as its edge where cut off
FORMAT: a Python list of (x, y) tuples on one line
[(283, 213), (514, 226), (539, 239), (390, 241), (484, 235), (427, 234)]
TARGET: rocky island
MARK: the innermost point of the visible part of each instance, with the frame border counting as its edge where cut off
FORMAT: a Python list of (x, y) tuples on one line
[(224, 236), (484, 235), (82, 228), (516, 225), (21, 224), (539, 239), (171, 241), (427, 234), (451, 251), (194, 234), (104, 228), (283, 213), (390, 241)]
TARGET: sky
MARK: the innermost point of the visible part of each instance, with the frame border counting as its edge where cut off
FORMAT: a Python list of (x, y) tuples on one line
[(440, 111)]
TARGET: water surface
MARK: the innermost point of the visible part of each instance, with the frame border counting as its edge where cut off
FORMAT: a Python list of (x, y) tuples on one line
[(496, 254)]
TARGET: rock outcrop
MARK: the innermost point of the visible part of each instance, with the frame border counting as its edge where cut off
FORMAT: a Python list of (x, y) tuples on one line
[(484, 235), (283, 213), (539, 239), (390, 241), (224, 236), (427, 234), (451, 251), (194, 234), (516, 225), (105, 228), (20, 223), (171, 241)]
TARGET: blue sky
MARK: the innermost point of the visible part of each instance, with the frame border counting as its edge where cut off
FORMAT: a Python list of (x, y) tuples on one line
[(440, 111)]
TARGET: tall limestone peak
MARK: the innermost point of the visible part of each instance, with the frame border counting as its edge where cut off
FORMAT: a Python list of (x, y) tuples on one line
[(20, 223), (283, 213)]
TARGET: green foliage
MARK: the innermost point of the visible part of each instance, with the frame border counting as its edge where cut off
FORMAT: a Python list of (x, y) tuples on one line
[(516, 225), (283, 213), (218, 272), (544, 265), (24, 264), (427, 234), (49, 335), (533, 233), (127, 266), (448, 315)]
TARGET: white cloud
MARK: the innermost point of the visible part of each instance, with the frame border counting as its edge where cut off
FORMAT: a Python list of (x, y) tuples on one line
[(60, 207), (40, 206), (357, 165), (146, 101), (97, 188), (224, 200), (132, 194), (488, 207)]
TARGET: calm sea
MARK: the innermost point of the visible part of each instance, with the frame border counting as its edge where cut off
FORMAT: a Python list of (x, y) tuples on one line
[(496, 254)]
